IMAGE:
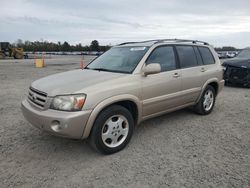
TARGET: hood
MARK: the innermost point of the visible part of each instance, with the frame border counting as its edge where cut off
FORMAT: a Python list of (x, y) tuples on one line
[(72, 81), (237, 62)]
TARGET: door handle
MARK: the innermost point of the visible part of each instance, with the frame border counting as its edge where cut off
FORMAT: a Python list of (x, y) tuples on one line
[(203, 69), (176, 75)]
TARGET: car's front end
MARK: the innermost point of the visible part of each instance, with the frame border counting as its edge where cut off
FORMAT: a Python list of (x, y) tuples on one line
[(237, 75), (62, 104), (237, 70), (58, 116)]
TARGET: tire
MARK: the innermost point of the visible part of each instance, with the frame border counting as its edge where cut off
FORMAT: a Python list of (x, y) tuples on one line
[(2, 55), (227, 83), (112, 130), (18, 56), (205, 108)]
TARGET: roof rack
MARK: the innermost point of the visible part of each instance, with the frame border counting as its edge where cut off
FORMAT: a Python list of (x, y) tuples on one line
[(128, 43), (166, 40), (182, 40)]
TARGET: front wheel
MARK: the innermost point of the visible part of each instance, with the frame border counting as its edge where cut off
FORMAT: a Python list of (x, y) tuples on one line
[(206, 102), (112, 130)]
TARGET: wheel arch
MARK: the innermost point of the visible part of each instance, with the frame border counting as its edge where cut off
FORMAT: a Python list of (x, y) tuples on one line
[(128, 101), (215, 85), (214, 82)]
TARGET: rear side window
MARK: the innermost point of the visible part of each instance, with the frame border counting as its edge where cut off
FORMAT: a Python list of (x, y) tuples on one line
[(207, 56), (187, 56), (165, 56)]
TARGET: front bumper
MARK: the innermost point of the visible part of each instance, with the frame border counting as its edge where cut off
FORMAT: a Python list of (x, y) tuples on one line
[(71, 124)]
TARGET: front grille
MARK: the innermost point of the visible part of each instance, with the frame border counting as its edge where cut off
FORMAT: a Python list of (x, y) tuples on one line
[(37, 97), (236, 73)]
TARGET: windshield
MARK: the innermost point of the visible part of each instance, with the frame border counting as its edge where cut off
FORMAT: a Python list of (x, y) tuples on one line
[(244, 54), (119, 59)]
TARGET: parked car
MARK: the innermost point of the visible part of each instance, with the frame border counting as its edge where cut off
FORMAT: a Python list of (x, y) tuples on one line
[(231, 54), (124, 86), (237, 70), (222, 55), (227, 54)]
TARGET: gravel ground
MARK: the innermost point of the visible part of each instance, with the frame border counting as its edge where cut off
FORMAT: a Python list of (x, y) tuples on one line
[(180, 149)]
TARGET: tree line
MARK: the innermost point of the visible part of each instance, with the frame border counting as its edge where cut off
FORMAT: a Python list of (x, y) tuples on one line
[(66, 47), (59, 46)]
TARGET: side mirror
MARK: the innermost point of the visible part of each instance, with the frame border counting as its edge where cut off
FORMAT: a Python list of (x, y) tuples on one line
[(152, 68)]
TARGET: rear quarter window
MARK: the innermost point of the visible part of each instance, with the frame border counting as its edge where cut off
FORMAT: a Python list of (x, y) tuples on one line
[(207, 56)]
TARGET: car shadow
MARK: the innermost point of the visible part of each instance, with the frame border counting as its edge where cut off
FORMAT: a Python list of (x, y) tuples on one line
[(72, 147), (169, 118), (237, 86)]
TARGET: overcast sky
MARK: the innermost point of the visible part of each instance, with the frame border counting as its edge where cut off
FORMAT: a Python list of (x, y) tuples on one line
[(114, 21)]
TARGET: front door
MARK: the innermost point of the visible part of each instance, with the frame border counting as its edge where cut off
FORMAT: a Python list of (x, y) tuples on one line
[(161, 91)]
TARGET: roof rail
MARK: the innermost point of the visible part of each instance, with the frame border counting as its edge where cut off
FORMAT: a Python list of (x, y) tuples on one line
[(182, 40), (166, 40), (137, 42), (128, 43)]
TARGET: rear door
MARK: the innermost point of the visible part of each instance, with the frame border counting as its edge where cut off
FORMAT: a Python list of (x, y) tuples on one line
[(161, 91), (209, 70), (192, 72)]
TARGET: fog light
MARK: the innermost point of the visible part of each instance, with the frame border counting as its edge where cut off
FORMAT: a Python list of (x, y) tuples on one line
[(56, 126)]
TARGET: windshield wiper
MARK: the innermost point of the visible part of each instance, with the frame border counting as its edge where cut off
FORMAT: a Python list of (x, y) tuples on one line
[(107, 70), (98, 69), (101, 69)]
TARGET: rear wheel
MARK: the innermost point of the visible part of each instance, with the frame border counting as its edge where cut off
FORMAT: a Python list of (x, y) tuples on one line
[(112, 130), (18, 56), (206, 102), (2, 55)]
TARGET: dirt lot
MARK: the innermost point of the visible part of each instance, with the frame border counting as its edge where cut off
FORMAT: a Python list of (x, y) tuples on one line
[(180, 149)]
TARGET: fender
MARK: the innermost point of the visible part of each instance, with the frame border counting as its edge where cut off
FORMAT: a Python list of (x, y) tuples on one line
[(206, 84), (107, 102)]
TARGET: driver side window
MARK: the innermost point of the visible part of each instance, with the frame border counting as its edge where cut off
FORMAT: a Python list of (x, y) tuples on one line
[(165, 56)]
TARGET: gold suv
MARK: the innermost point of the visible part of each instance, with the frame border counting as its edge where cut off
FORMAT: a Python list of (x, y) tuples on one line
[(128, 84)]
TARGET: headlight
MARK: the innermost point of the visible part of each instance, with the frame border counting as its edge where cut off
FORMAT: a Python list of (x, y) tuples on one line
[(68, 102)]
